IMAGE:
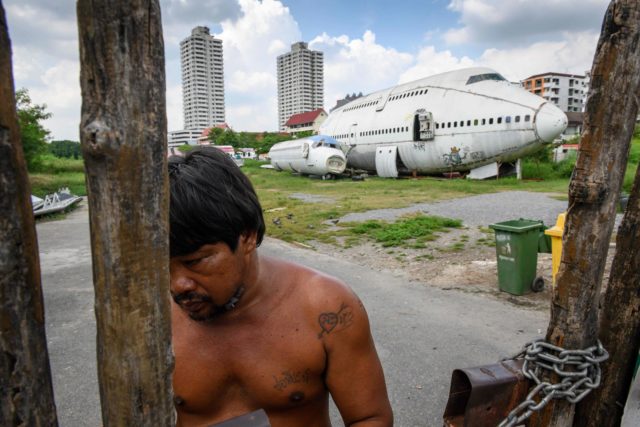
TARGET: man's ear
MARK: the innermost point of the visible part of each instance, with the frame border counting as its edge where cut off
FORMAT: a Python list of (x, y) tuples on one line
[(249, 240)]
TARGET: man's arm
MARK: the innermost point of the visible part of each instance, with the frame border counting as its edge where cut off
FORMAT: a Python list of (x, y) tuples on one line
[(354, 374)]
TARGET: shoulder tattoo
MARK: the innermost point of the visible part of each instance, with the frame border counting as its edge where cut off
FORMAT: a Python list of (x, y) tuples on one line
[(335, 321)]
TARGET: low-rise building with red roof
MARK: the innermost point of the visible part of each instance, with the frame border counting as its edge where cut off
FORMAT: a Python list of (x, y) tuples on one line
[(310, 120)]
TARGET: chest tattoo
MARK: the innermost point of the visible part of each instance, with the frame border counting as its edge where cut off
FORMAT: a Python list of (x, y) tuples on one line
[(287, 378)]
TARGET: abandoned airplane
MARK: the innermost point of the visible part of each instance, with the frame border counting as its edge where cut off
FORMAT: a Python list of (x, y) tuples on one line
[(318, 155), (457, 121)]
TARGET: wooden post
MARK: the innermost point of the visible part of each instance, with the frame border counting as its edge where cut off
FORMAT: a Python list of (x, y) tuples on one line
[(619, 324), (26, 393), (123, 136), (609, 121)]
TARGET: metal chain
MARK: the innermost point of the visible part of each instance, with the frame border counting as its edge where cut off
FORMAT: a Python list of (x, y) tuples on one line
[(578, 370)]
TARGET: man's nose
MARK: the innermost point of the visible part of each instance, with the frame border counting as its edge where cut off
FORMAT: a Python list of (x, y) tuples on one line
[(181, 283)]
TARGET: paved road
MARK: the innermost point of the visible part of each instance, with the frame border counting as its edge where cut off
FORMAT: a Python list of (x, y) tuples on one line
[(421, 333), (482, 210)]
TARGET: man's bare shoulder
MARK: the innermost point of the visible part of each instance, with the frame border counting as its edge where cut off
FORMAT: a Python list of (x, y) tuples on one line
[(332, 307), (317, 288)]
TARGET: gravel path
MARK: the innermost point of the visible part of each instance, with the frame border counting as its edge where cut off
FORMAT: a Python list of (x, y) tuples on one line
[(482, 210)]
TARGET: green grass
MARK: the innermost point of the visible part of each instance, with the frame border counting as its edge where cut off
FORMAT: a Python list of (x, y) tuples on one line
[(632, 166), (346, 196), (407, 232), (52, 173), (310, 221)]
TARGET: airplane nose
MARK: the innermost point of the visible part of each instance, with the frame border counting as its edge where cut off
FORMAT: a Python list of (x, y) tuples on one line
[(550, 122)]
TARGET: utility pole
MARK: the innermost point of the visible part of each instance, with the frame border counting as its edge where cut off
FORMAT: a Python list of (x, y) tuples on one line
[(26, 393), (123, 136), (609, 122)]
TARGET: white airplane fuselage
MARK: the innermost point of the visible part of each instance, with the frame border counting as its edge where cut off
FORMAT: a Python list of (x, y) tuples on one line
[(316, 155), (454, 121)]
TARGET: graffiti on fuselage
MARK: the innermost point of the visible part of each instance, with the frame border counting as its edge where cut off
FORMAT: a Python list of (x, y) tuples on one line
[(453, 158)]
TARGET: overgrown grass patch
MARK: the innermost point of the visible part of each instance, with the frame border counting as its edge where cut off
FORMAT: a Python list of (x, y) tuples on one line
[(407, 232)]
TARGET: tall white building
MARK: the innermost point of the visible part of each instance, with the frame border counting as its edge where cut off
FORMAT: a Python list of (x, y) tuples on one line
[(300, 82), (202, 80), (567, 91)]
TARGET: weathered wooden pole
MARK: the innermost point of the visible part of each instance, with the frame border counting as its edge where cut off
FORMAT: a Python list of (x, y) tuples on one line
[(609, 121), (123, 136), (26, 393), (619, 324)]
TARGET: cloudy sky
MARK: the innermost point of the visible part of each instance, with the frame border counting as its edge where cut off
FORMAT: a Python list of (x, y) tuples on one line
[(368, 45)]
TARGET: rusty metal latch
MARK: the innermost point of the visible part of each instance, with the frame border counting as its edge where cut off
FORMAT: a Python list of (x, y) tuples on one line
[(483, 396)]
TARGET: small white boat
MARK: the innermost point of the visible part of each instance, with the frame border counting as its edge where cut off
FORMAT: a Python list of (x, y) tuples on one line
[(52, 203)]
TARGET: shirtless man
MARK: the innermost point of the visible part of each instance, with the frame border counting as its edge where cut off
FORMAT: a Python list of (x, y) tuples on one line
[(251, 331)]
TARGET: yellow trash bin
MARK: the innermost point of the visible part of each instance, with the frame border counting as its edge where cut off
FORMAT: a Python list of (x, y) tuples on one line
[(556, 245)]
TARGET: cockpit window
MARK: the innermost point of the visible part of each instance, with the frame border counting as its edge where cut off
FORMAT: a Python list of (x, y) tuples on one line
[(481, 77), (324, 143)]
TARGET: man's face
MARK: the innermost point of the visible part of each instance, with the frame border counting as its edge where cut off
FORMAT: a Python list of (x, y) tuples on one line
[(204, 281)]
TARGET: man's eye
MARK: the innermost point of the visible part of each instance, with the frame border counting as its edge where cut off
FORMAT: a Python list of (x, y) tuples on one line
[(193, 262)]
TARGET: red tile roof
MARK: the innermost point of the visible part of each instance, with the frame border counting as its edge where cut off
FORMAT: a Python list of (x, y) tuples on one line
[(308, 117), (205, 131)]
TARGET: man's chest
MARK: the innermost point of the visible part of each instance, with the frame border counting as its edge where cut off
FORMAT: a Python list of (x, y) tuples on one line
[(277, 365)]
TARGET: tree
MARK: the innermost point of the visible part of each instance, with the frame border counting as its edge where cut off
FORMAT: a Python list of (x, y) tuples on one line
[(33, 134), (228, 137), (214, 134), (65, 149)]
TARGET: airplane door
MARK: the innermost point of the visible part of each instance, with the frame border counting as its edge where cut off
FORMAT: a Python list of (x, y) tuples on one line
[(386, 166), (423, 126), (353, 134)]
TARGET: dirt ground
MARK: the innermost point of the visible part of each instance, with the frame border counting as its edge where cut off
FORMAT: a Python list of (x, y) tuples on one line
[(462, 260)]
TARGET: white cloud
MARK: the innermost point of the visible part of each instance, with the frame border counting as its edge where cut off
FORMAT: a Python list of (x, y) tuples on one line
[(59, 89), (509, 22), (574, 54), (243, 82), (357, 65), (429, 62), (251, 44)]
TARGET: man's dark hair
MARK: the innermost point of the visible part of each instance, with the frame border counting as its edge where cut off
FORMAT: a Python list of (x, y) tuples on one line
[(212, 201)]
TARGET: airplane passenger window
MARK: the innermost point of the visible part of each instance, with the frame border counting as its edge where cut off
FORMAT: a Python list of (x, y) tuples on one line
[(475, 122), (507, 119), (527, 118), (517, 119), (468, 122), (455, 124), (437, 125), (448, 124), (484, 121), (461, 123), (491, 121), (499, 120)]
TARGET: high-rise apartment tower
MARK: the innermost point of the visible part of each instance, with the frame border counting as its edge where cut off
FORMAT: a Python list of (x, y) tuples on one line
[(202, 80), (300, 82)]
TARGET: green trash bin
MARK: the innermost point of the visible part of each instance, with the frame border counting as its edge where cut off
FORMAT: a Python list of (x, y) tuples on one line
[(517, 253)]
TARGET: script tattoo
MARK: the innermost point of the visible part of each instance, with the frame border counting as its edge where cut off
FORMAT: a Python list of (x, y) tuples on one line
[(289, 377), (342, 319)]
